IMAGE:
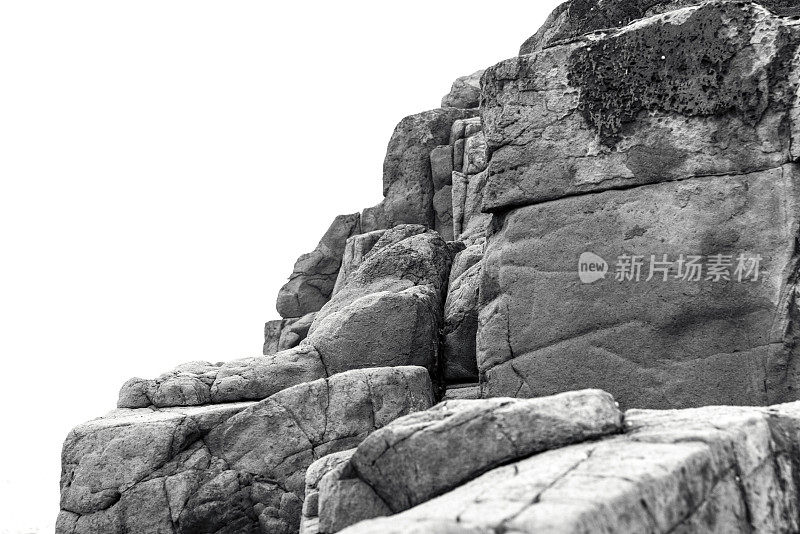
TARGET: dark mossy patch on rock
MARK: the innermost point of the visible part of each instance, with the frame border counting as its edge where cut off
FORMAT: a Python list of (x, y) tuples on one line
[(662, 69)]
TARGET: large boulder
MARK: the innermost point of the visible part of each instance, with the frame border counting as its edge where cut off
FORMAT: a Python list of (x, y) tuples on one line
[(465, 92), (314, 276), (389, 310), (701, 91), (407, 179), (199, 383), (635, 147), (223, 469), (682, 338), (717, 469), (578, 17), (423, 455)]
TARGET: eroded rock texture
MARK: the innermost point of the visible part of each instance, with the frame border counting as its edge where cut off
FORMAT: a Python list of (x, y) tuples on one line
[(224, 469), (672, 136), (314, 276), (423, 455), (717, 469)]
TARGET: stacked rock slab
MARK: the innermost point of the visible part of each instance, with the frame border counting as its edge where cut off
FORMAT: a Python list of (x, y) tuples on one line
[(224, 469), (672, 136), (716, 469), (423, 455), (284, 334)]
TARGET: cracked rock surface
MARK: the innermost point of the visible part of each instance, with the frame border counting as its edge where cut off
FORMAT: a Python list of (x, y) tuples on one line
[(714, 469), (230, 468)]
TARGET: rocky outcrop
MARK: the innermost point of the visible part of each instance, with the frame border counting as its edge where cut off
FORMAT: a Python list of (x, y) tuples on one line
[(314, 276), (285, 334), (407, 178), (578, 17), (465, 93), (686, 167), (717, 469), (199, 383), (639, 105), (224, 469), (309, 523), (425, 454), (355, 250), (389, 310)]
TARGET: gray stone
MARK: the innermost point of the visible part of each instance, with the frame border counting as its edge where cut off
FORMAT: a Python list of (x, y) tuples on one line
[(422, 455), (443, 207), (389, 310), (441, 166), (468, 391), (640, 105), (225, 469), (245, 379), (716, 469), (345, 499), (355, 250), (469, 222), (475, 158), (286, 334), (407, 181), (314, 276), (309, 523), (465, 92), (373, 218), (578, 17), (654, 344), (461, 317)]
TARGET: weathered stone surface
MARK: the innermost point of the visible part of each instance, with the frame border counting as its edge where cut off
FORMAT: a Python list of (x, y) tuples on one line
[(311, 284), (443, 207), (465, 92), (355, 250), (309, 523), (407, 180), (389, 310), (461, 316), (245, 379), (469, 222), (475, 158), (423, 455), (286, 334), (577, 17), (658, 343), (345, 499), (373, 218), (468, 391), (716, 469), (441, 166), (641, 105), (224, 469)]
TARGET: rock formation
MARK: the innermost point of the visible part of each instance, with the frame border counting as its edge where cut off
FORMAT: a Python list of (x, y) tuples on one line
[(580, 254)]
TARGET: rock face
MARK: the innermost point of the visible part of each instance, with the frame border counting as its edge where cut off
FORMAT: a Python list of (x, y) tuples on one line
[(407, 178), (423, 455), (461, 317), (465, 93), (658, 181), (224, 469), (314, 276), (389, 310), (618, 208), (286, 334), (717, 469), (578, 17)]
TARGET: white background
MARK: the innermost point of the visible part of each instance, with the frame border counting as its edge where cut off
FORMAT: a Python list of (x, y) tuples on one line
[(163, 163)]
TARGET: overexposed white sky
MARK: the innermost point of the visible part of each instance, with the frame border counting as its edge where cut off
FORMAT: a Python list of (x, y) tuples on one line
[(162, 165)]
